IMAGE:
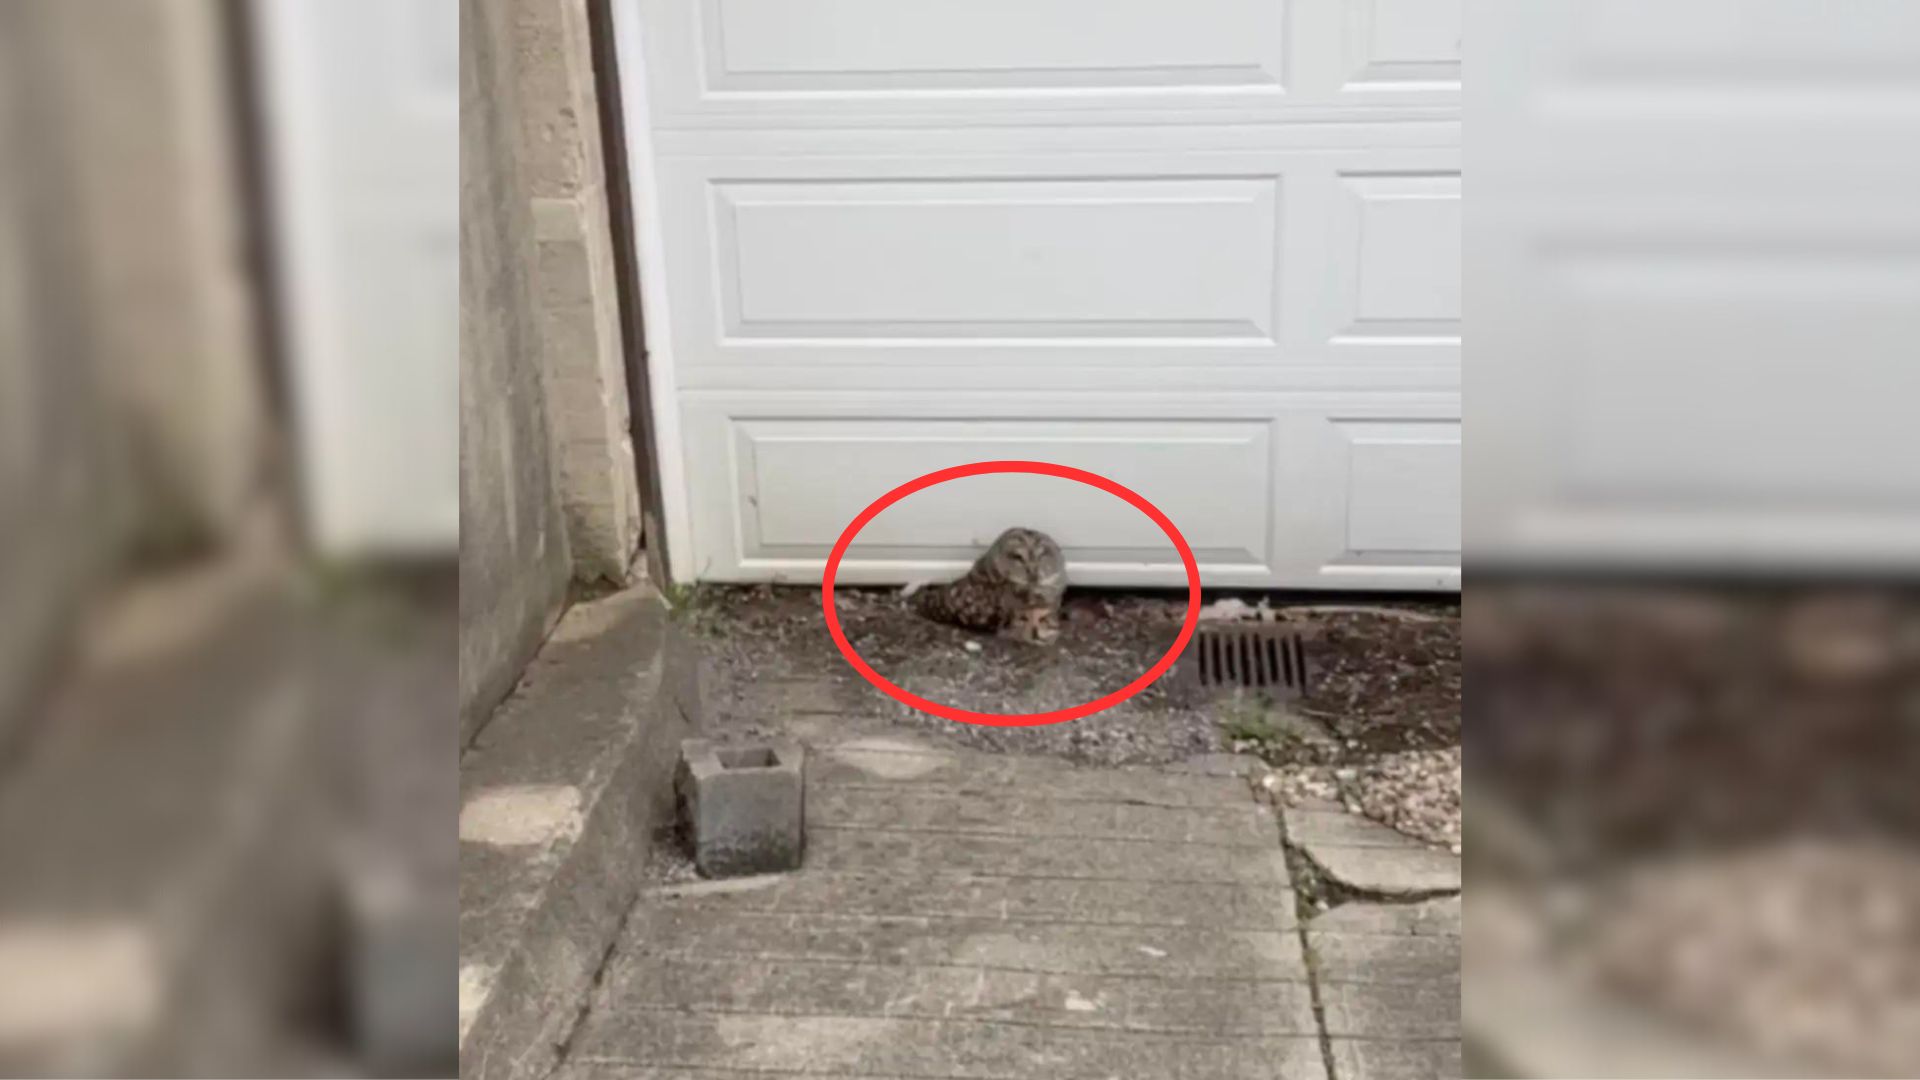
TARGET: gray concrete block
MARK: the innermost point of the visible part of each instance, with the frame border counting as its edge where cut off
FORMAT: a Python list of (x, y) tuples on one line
[(743, 806), (402, 944)]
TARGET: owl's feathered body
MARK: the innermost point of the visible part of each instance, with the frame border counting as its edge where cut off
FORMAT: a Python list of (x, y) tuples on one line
[(1014, 588)]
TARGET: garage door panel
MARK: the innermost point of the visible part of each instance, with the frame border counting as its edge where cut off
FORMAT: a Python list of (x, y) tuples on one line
[(1390, 268), (1267, 491), (1725, 48), (1370, 497), (1402, 47), (1068, 148), (964, 367), (799, 480), (1154, 261), (984, 259), (1403, 231), (1403, 489), (836, 62), (1630, 304), (889, 46)]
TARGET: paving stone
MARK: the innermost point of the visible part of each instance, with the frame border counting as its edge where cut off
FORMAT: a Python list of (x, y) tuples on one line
[(694, 930), (1080, 1000), (933, 891), (1438, 917), (1375, 1059), (966, 916), (628, 1071), (1369, 857), (1327, 824), (962, 1049), (1389, 983), (909, 809), (1387, 871), (870, 762), (1054, 857), (1385, 958), (1428, 1010)]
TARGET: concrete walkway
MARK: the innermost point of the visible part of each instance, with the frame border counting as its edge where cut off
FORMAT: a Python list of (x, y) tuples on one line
[(975, 916)]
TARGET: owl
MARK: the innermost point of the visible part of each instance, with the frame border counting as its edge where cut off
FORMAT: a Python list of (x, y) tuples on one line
[(1013, 589)]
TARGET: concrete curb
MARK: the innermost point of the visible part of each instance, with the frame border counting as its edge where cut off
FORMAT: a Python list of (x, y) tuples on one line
[(560, 799)]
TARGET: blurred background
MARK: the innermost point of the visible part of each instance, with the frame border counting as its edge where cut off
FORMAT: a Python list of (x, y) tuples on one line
[(230, 501), (229, 514), (1692, 720)]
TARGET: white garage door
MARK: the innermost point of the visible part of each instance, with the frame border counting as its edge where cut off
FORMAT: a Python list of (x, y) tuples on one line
[(364, 119), (1208, 248), (1696, 271)]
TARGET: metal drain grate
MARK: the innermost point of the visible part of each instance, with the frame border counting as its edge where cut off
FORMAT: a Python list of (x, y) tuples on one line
[(1250, 656)]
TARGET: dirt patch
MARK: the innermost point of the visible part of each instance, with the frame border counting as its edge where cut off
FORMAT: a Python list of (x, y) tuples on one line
[(771, 657), (1385, 682), (1625, 723)]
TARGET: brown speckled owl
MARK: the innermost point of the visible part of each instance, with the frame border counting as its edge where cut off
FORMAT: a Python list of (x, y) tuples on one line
[(1013, 589)]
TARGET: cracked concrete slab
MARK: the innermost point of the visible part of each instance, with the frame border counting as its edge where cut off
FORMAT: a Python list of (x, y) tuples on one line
[(1377, 1059), (1187, 952), (958, 892), (680, 1044), (1366, 857), (870, 761), (1388, 978), (972, 917)]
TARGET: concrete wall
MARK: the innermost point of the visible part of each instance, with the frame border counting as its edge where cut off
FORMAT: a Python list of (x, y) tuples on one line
[(147, 106), (575, 287), (514, 560), (132, 415), (64, 517), (131, 400)]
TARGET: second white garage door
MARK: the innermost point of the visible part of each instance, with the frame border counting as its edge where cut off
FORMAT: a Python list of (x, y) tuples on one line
[(1208, 248)]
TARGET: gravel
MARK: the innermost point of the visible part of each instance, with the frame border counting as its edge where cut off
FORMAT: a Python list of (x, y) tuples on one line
[(1414, 791), (1806, 949)]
